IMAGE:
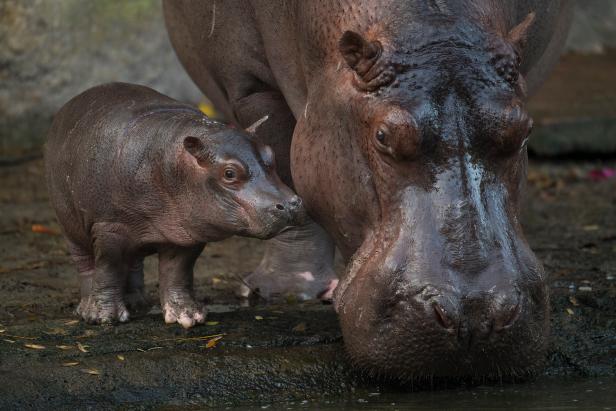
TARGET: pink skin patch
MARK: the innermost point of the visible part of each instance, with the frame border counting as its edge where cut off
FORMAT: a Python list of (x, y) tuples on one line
[(306, 275), (328, 294)]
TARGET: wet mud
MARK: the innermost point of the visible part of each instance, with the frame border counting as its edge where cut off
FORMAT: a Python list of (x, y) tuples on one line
[(260, 354)]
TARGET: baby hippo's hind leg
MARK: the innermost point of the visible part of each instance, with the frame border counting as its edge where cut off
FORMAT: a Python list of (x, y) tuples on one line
[(176, 285), (135, 288), (102, 288)]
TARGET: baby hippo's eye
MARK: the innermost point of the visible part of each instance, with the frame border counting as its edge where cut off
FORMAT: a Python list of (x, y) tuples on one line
[(232, 174), (380, 136)]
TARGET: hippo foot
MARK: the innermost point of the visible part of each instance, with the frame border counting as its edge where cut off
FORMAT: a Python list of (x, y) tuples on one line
[(184, 310), (136, 301), (107, 310)]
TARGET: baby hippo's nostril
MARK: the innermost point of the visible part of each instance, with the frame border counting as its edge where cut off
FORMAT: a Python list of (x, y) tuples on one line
[(279, 207), (295, 201)]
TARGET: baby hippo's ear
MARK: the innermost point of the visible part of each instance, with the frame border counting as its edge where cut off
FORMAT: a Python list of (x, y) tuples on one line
[(196, 148)]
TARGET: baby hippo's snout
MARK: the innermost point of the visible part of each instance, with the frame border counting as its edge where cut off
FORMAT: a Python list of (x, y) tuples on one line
[(290, 206), (282, 212)]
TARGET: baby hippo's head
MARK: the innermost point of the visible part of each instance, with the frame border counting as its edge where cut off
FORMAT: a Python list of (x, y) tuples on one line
[(234, 188)]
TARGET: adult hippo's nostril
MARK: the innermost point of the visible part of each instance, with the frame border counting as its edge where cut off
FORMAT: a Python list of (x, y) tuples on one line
[(442, 317), (506, 317), (279, 207)]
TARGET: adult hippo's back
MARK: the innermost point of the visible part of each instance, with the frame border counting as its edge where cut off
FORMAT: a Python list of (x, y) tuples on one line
[(404, 128)]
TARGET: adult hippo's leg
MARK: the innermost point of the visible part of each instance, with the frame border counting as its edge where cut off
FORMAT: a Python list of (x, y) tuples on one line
[(242, 85), (298, 262)]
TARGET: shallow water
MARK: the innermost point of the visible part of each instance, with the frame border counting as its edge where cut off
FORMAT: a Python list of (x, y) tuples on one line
[(544, 394)]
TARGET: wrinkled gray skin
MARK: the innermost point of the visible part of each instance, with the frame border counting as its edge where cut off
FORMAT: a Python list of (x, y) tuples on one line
[(131, 172), (404, 128)]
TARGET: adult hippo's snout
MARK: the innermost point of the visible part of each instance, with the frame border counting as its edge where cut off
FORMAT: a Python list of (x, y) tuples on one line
[(446, 287)]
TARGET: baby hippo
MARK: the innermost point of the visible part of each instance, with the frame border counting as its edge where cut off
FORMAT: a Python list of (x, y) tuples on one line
[(132, 172)]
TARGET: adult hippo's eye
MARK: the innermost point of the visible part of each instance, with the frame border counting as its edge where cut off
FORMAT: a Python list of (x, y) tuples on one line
[(381, 141), (230, 174)]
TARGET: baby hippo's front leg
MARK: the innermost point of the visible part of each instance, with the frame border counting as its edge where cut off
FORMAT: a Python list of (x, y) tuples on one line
[(175, 266)]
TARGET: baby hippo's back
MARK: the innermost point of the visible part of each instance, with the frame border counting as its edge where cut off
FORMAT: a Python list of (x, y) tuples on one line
[(106, 150)]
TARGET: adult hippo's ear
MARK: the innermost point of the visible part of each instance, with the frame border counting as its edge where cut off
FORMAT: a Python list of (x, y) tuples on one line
[(518, 35), (197, 149), (359, 53)]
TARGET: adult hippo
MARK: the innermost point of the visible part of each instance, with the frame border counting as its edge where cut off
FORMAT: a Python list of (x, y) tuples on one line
[(403, 126)]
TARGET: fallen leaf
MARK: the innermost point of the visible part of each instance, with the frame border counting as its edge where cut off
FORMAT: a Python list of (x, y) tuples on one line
[(212, 343), (71, 322), (90, 371), (70, 364), (55, 331), (64, 347), (120, 357), (35, 346), (41, 229), (155, 348), (300, 328), (140, 349), (82, 347), (9, 341), (258, 317), (590, 227), (569, 311), (1, 331), (212, 323)]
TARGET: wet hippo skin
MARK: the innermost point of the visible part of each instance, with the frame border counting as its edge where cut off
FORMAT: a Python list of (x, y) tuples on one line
[(403, 126), (131, 172)]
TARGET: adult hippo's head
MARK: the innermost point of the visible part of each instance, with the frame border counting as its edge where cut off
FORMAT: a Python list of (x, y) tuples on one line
[(420, 137)]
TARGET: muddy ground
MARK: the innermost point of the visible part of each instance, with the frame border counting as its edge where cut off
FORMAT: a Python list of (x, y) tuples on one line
[(285, 352)]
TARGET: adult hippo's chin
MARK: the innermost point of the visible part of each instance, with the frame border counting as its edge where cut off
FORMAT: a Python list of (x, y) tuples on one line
[(404, 128)]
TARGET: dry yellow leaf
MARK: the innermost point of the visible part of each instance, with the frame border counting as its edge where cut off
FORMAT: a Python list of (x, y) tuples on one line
[(35, 346), (82, 347), (212, 343), (9, 341), (64, 347), (120, 357), (70, 364), (569, 311), (90, 371), (258, 317), (212, 323), (71, 322), (1, 331)]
